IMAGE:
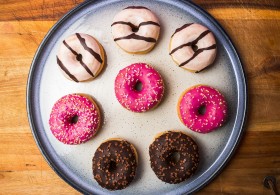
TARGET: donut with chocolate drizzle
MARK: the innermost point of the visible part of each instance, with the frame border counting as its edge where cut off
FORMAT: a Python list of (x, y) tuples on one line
[(114, 164), (174, 157), (193, 47), (80, 57), (136, 29)]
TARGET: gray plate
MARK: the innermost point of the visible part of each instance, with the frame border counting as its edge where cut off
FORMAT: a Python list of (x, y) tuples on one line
[(46, 84)]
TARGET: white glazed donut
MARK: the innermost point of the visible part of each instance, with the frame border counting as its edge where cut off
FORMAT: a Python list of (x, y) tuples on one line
[(80, 57), (136, 29), (193, 47)]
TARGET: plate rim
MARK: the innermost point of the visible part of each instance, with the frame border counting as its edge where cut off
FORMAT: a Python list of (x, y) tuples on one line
[(240, 80)]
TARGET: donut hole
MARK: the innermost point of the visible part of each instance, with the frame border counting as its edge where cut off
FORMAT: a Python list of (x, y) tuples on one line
[(74, 119), (134, 29), (138, 86), (201, 110), (112, 166), (173, 158), (79, 57), (194, 47)]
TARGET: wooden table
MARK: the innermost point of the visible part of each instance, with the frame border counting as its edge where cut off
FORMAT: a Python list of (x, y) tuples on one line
[(255, 30)]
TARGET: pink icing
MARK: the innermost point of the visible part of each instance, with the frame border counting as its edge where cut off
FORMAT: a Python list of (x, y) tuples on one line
[(150, 94), (215, 109), (63, 112)]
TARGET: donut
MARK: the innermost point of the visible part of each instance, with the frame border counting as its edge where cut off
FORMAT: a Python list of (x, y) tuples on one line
[(174, 156), (193, 47), (202, 108), (136, 29), (80, 57), (114, 164), (131, 94), (74, 119)]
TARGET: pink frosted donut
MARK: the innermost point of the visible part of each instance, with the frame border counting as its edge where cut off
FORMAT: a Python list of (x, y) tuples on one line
[(193, 47), (202, 109), (74, 119), (139, 87)]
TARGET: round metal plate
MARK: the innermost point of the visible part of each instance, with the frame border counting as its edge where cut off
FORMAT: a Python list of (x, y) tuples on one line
[(231, 81)]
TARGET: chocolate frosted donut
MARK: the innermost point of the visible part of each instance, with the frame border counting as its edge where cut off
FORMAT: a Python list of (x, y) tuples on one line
[(114, 164), (174, 157)]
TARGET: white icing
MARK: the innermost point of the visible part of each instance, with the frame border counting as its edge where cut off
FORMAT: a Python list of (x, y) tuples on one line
[(189, 34), (135, 16), (70, 61)]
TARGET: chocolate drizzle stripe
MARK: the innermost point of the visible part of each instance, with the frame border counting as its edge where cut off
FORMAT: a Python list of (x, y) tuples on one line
[(136, 7), (83, 43), (192, 42), (66, 70), (81, 61), (198, 52), (181, 28), (87, 69), (180, 47), (201, 36), (68, 46), (135, 36), (136, 27)]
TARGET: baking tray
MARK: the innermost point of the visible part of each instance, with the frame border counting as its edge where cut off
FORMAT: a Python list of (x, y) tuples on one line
[(46, 85)]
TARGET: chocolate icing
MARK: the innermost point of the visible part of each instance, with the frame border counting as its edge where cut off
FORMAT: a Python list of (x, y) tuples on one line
[(83, 43), (138, 37), (114, 164), (194, 42), (198, 52), (78, 59), (161, 151), (70, 48), (66, 70), (136, 27), (136, 7), (181, 28)]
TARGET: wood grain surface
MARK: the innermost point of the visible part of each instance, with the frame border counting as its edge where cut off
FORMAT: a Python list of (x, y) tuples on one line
[(254, 27)]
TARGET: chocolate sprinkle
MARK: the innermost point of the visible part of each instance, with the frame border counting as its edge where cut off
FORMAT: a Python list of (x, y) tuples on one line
[(161, 151), (114, 164)]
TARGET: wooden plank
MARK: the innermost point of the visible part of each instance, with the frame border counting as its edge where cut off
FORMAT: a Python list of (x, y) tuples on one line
[(33, 182), (245, 4), (256, 157), (36, 10)]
